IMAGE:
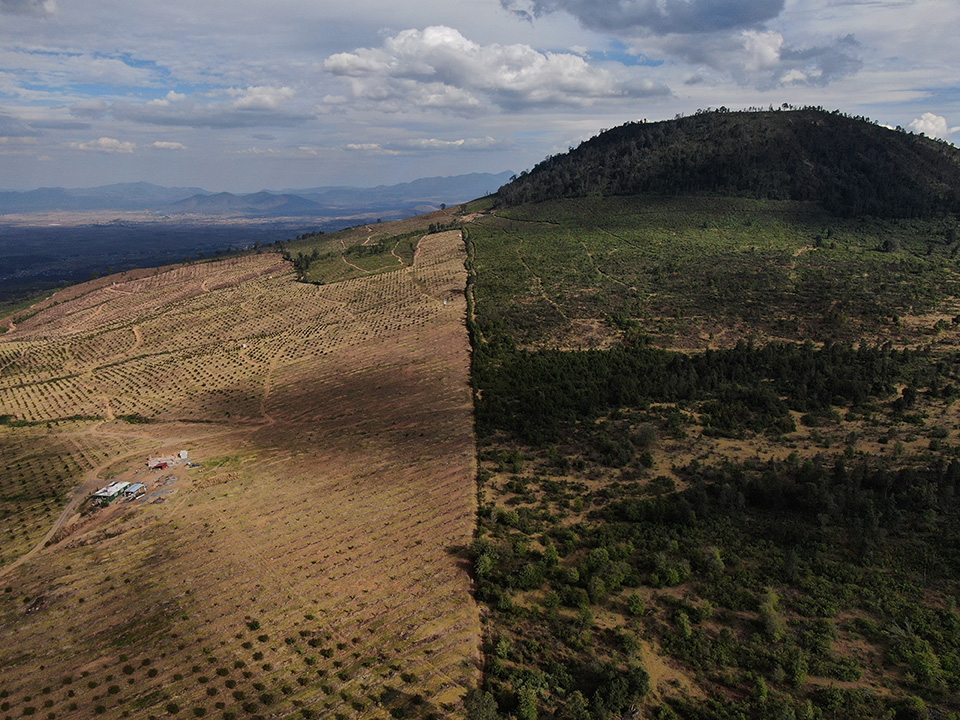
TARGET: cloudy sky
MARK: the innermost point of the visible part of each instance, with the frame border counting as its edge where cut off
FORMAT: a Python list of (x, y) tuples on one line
[(241, 95)]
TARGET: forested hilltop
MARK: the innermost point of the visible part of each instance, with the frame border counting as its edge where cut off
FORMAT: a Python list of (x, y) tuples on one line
[(848, 165)]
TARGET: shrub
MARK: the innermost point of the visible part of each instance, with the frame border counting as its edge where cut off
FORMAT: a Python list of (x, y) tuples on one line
[(635, 605)]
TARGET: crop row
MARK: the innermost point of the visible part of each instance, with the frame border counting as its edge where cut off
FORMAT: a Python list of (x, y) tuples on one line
[(319, 578)]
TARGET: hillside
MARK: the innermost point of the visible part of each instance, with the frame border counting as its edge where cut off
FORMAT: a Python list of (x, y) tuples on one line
[(718, 435), (716, 462), (719, 440), (305, 563), (719, 446), (847, 165)]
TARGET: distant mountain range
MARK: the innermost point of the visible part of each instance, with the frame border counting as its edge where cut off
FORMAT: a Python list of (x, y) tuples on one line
[(422, 195)]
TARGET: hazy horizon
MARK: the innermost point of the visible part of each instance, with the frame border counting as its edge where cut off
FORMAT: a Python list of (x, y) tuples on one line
[(245, 192)]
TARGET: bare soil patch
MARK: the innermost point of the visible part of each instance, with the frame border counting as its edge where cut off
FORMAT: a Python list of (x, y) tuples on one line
[(310, 565)]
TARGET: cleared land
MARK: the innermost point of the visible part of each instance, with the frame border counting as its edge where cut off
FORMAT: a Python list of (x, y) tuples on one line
[(312, 565)]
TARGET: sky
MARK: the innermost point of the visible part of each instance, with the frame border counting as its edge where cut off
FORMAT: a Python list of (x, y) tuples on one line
[(241, 95)]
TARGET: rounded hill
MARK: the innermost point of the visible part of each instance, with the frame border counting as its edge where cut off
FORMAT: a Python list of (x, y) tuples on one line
[(848, 165)]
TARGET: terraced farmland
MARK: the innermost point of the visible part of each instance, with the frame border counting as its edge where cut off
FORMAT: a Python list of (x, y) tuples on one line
[(311, 566)]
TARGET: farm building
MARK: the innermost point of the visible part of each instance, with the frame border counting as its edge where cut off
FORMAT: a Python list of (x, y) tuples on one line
[(162, 463), (132, 491), (109, 493)]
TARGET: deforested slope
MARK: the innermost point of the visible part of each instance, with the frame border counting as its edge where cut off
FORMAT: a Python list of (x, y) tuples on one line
[(307, 565)]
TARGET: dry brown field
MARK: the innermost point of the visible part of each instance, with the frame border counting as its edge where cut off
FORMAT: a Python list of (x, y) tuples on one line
[(311, 565)]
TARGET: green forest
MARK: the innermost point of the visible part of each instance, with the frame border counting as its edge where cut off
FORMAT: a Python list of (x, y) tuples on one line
[(848, 165), (720, 453)]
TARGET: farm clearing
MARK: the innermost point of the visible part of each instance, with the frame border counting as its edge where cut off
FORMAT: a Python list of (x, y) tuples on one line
[(311, 565)]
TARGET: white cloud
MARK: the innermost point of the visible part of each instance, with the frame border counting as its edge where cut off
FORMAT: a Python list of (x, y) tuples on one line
[(166, 145), (54, 68), (253, 106), (481, 143), (17, 145), (105, 144), (261, 97), (257, 106), (364, 147), (171, 97), (256, 151), (934, 126), (441, 69), (12, 127), (428, 145), (90, 108), (762, 50), (324, 75)]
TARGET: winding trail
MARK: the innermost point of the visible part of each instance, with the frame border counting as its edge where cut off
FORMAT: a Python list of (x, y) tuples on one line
[(137, 339), (539, 284), (601, 272), (343, 257), (356, 267), (393, 251), (90, 483)]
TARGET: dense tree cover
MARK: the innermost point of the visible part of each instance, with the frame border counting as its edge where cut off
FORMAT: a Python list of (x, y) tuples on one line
[(816, 586), (758, 578), (850, 166), (783, 566), (535, 394), (780, 565)]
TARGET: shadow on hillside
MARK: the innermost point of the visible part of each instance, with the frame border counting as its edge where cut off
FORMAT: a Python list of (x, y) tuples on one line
[(402, 704), (464, 557)]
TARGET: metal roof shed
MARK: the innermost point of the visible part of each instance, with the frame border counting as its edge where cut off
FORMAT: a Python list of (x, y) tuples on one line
[(111, 491)]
